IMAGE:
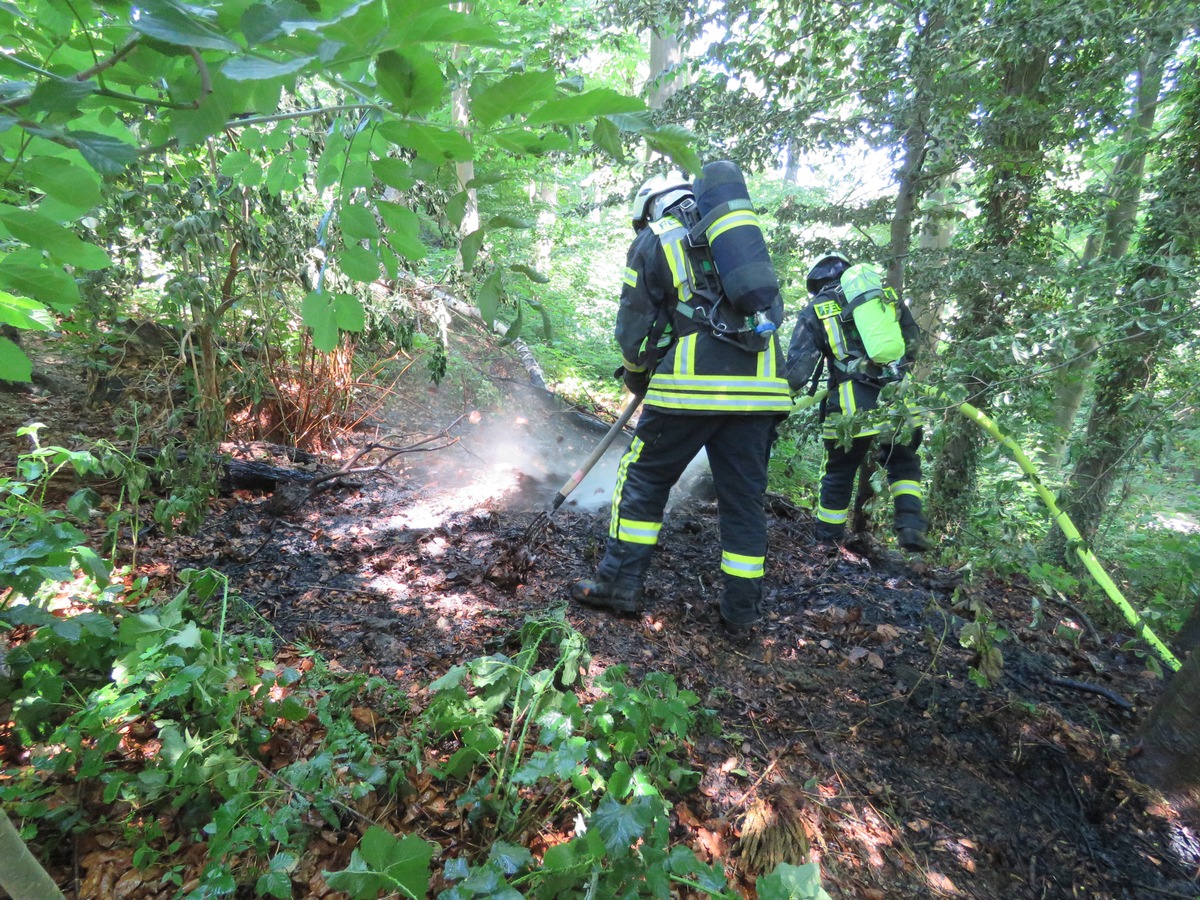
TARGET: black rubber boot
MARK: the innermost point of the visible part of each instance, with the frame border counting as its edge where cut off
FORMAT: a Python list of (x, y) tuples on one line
[(741, 602), (828, 535), (618, 584), (913, 540)]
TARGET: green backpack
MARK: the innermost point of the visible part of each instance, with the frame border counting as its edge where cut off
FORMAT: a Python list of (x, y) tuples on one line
[(875, 312)]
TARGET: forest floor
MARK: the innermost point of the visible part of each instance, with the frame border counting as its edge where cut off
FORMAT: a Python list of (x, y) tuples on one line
[(852, 709)]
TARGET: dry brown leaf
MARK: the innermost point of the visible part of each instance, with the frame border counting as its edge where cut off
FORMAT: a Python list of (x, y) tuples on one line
[(875, 660), (365, 717), (686, 816), (712, 842)]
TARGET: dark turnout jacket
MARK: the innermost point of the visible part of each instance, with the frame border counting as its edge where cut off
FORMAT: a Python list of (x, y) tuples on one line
[(698, 372), (815, 339)]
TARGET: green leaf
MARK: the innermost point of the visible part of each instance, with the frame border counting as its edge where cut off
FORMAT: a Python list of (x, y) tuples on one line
[(607, 137), (357, 222), (45, 234), (531, 273), (274, 884), (584, 107), (410, 80), (790, 882), (405, 861), (469, 248), (488, 297), (573, 854), (514, 329), (60, 95), (252, 68), (318, 313), (395, 173), (106, 154), (349, 312), (14, 364), (678, 143), (510, 858), (63, 180), (431, 143), (293, 709), (452, 679), (422, 22), (507, 221), (456, 208), (193, 126), (621, 824), (403, 230), (26, 272), (21, 312), (511, 96), (183, 26), (359, 264)]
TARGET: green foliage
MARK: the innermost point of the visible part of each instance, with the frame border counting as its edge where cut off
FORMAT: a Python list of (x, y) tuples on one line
[(211, 703), (529, 753), (382, 863), (39, 546), (790, 882)]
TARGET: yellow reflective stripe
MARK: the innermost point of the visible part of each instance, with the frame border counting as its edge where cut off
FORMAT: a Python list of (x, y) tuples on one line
[(678, 261), (638, 532), (632, 366), (766, 363), (837, 339), (832, 516), (846, 398), (718, 403), (742, 566), (634, 451), (685, 355), (732, 220), (733, 383), (631, 277), (906, 489)]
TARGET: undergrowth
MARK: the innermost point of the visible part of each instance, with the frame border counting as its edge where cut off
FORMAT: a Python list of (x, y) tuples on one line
[(144, 712)]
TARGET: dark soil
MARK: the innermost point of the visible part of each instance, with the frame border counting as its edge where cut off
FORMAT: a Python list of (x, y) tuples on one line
[(854, 702)]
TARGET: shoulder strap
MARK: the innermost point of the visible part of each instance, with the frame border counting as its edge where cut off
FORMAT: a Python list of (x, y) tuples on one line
[(698, 235)]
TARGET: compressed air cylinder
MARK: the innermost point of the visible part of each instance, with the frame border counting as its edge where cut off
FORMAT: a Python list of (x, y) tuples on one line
[(735, 238)]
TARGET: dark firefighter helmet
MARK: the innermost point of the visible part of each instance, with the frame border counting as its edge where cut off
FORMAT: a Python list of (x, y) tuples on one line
[(827, 267)]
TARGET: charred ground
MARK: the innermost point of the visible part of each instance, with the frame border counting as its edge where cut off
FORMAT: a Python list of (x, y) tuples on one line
[(853, 708)]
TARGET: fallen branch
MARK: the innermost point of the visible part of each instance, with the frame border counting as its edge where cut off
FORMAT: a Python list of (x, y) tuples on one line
[(1111, 696)]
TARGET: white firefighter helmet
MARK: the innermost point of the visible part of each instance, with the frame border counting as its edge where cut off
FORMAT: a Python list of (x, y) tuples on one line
[(656, 197)]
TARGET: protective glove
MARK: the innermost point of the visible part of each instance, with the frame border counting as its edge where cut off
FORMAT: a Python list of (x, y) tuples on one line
[(635, 382)]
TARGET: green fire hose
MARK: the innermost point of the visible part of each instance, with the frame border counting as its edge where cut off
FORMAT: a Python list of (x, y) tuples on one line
[(1074, 538)]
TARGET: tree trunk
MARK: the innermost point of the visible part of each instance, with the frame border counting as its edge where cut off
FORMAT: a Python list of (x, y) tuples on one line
[(1014, 180), (915, 141), (1073, 379), (791, 162), (21, 875), (1170, 736), (1123, 407), (460, 115), (666, 77)]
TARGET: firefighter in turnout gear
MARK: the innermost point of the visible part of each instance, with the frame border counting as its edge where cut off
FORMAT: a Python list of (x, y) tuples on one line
[(701, 390), (823, 336)]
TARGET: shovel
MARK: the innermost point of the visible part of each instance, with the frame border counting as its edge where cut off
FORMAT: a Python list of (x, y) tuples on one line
[(543, 519)]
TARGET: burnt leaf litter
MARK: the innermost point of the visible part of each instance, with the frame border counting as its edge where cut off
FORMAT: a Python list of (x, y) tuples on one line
[(852, 712)]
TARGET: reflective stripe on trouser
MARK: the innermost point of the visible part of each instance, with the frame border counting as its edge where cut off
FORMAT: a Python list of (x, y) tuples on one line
[(738, 447), (903, 468)]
